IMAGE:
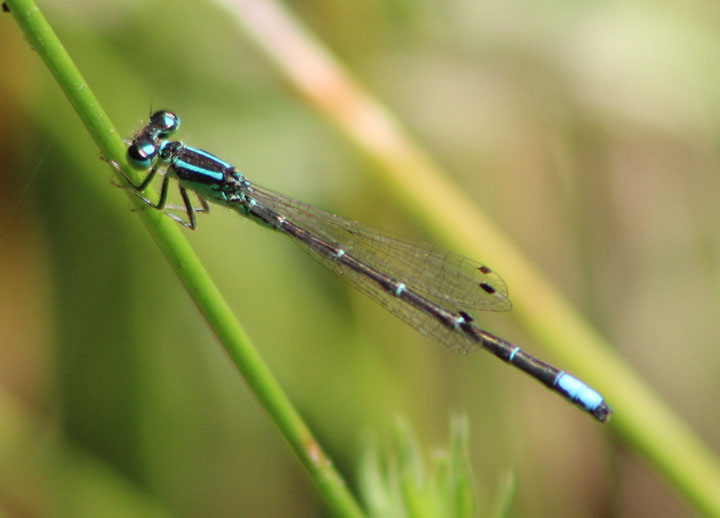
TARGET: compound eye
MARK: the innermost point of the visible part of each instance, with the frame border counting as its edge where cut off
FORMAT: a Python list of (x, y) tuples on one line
[(141, 153), (165, 122)]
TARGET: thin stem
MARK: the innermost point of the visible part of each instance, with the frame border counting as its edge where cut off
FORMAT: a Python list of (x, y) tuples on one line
[(188, 267)]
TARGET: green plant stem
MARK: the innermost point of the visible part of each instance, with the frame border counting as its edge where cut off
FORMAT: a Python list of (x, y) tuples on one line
[(641, 417), (188, 267)]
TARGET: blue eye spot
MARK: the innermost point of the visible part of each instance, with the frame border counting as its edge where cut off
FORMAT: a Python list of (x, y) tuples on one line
[(141, 154)]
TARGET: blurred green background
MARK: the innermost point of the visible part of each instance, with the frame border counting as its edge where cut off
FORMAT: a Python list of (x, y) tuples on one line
[(588, 132)]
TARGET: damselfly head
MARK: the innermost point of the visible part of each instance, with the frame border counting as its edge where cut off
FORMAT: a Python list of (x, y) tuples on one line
[(148, 144)]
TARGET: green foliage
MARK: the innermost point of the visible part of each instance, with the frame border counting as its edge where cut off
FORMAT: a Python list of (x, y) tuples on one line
[(401, 483)]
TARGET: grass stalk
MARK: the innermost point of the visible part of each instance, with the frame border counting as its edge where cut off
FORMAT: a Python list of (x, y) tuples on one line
[(188, 268)]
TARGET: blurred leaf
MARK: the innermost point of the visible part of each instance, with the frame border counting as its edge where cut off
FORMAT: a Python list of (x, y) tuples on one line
[(399, 483)]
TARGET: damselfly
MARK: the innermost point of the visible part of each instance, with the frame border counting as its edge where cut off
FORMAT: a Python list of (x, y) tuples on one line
[(429, 288)]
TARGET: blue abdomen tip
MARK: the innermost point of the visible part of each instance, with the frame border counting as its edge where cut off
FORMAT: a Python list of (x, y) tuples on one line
[(579, 392)]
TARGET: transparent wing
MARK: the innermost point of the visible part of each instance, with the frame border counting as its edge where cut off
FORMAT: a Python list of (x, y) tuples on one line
[(447, 279)]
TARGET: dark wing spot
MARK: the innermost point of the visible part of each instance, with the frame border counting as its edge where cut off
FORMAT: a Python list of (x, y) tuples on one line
[(484, 269), (487, 288), (465, 316)]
